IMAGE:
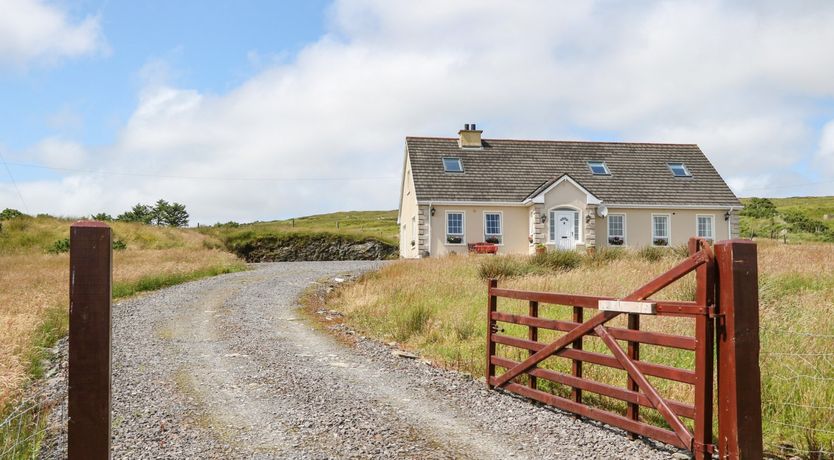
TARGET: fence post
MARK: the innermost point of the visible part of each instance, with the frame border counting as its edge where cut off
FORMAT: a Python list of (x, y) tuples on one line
[(739, 379), (492, 305), (533, 336), (89, 341)]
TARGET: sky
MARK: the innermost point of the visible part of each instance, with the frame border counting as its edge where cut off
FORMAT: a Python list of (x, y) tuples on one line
[(260, 110)]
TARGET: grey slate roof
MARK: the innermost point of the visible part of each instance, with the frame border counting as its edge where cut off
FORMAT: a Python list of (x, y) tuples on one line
[(510, 170)]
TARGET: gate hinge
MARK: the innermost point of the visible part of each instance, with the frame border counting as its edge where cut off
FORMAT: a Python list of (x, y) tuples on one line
[(713, 313), (495, 329)]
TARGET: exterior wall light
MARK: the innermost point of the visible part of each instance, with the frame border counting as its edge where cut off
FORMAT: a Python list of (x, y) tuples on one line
[(544, 218), (587, 218), (433, 211), (726, 216)]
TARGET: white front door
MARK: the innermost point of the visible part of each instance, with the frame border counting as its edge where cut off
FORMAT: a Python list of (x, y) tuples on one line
[(565, 238)]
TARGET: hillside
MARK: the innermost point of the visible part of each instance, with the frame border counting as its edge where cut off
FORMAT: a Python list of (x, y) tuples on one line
[(795, 219)]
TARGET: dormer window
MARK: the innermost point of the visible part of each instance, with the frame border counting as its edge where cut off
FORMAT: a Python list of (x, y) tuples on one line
[(679, 170), (452, 165), (598, 168)]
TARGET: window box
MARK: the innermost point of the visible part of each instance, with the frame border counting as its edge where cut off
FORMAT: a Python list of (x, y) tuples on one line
[(661, 242), (493, 240), (453, 239), (615, 241)]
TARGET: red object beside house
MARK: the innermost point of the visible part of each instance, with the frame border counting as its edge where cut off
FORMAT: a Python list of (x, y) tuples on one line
[(484, 248)]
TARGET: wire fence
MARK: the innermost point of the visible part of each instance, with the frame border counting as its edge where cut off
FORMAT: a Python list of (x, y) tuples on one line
[(37, 426), (798, 398)]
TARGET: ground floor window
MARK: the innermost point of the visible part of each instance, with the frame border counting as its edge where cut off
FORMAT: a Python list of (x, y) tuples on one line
[(616, 229), (492, 228), (705, 227), (660, 229), (454, 227)]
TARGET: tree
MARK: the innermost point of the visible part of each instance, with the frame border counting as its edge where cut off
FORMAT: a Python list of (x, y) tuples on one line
[(759, 208), (9, 214), (103, 217), (175, 215), (159, 211), (139, 213)]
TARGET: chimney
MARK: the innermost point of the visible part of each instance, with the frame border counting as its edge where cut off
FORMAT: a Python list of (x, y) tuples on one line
[(470, 136)]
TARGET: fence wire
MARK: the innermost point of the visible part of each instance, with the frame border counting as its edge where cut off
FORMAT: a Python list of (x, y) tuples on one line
[(37, 426)]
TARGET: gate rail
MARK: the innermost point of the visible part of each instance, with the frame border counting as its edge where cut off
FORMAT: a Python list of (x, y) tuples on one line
[(726, 300)]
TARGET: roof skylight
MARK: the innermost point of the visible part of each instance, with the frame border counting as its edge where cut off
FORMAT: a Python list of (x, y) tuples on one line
[(598, 168), (452, 165), (679, 169)]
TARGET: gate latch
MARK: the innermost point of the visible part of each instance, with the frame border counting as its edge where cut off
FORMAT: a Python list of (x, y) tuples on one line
[(714, 313)]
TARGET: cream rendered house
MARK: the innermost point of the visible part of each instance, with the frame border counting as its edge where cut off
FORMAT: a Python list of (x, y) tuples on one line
[(564, 195)]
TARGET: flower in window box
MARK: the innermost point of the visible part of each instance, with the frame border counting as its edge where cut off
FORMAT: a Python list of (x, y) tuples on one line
[(454, 239), (615, 240), (661, 242), (493, 240)]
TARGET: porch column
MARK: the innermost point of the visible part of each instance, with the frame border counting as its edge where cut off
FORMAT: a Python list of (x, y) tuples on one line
[(590, 226), (539, 235)]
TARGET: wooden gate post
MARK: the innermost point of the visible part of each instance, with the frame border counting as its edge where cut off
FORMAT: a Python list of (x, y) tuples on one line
[(91, 259), (492, 306), (739, 379)]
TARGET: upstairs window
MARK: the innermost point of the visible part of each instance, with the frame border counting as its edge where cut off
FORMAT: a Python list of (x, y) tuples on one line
[(452, 165), (679, 169), (598, 168)]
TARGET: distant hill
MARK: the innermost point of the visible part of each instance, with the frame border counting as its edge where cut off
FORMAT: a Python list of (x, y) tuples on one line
[(796, 219)]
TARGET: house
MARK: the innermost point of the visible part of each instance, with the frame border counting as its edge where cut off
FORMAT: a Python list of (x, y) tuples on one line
[(561, 194)]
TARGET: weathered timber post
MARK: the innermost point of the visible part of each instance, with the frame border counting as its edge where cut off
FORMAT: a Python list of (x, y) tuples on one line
[(91, 258), (492, 305), (737, 346)]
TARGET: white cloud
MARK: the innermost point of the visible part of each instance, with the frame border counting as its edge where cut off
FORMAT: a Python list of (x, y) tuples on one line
[(33, 30), (741, 80)]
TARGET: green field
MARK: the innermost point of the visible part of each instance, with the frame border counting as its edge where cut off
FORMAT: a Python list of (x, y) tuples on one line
[(793, 220)]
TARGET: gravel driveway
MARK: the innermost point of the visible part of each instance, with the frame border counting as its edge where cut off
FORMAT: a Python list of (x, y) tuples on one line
[(227, 367)]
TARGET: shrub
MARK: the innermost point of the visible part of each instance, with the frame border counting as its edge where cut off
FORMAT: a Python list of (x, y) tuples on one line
[(119, 245), (8, 214), (557, 260), (680, 251), (502, 267), (59, 247), (651, 253), (604, 255)]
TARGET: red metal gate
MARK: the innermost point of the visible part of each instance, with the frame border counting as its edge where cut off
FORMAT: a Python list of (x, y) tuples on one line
[(721, 286)]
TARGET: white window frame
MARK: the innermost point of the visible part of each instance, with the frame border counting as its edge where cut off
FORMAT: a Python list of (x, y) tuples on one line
[(668, 230), (500, 226), (460, 163), (604, 166), (608, 227), (462, 228), (712, 225), (577, 225), (683, 165)]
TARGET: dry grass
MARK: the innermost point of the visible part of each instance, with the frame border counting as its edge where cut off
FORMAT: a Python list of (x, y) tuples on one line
[(437, 306), (34, 285)]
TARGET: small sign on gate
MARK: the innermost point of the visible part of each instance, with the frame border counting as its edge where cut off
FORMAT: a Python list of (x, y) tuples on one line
[(627, 306)]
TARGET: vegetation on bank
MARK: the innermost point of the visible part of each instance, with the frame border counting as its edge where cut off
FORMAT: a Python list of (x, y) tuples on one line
[(381, 225), (436, 306)]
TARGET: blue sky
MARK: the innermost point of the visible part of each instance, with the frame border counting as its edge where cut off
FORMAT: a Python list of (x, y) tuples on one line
[(259, 110)]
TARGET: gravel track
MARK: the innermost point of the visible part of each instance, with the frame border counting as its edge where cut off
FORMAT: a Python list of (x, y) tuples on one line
[(227, 367)]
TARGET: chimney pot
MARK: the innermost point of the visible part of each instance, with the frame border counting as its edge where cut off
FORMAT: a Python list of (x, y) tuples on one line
[(466, 126), (473, 127)]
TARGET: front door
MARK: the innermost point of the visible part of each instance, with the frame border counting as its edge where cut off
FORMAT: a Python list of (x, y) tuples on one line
[(564, 230)]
